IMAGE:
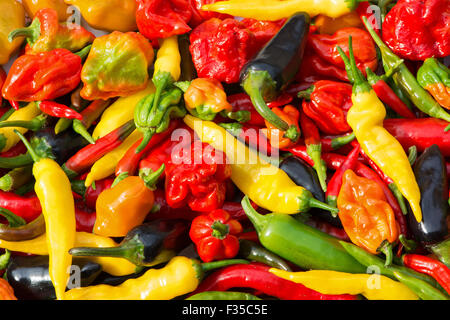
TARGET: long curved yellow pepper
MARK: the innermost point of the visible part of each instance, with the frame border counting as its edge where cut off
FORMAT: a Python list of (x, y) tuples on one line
[(54, 192), (371, 286), (113, 266), (33, 6), (178, 277), (110, 15), (266, 185), (8, 138), (120, 112), (276, 9), (365, 117), (12, 16), (105, 166)]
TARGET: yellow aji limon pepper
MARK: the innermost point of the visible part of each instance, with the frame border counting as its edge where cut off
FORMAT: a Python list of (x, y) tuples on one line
[(8, 138), (54, 192), (120, 112), (371, 286), (276, 10), (180, 276), (366, 117), (12, 17), (266, 185), (110, 15), (106, 166), (33, 6)]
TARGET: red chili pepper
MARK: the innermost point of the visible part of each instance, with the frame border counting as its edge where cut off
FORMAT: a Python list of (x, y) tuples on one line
[(158, 19), (263, 30), (314, 147), (197, 177), (249, 235), (29, 208), (17, 150), (422, 133), (88, 155), (130, 161), (58, 110), (14, 104), (339, 144), (214, 235), (85, 220), (432, 267), (418, 29), (220, 49), (42, 76), (335, 183), (199, 16), (257, 276), (329, 102), (91, 194)]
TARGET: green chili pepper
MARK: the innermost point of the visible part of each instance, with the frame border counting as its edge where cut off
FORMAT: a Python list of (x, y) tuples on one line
[(424, 290), (252, 251), (223, 295)]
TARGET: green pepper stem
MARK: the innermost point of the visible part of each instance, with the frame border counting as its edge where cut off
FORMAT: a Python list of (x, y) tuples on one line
[(182, 85), (258, 220), (148, 134), (13, 219), (339, 142), (386, 248), (220, 230), (240, 116), (79, 128), (306, 94), (442, 251), (6, 115), (16, 162), (78, 187), (116, 252), (35, 124), (30, 149), (151, 179), (119, 178), (83, 53), (234, 128), (31, 33), (412, 154), (4, 259), (409, 245), (315, 152), (400, 199)]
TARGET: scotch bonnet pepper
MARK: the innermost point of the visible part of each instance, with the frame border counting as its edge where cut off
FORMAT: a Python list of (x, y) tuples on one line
[(417, 29), (45, 34), (197, 175), (434, 77), (116, 66), (277, 138)]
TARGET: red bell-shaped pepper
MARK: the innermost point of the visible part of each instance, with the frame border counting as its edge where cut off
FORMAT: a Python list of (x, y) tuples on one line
[(214, 235)]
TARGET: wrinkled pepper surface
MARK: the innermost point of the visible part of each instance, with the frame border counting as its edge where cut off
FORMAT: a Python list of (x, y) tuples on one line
[(434, 77)]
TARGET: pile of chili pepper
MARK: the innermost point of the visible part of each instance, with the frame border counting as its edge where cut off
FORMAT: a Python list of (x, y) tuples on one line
[(225, 150)]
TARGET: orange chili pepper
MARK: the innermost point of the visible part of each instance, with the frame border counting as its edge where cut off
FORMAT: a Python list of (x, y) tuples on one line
[(329, 25), (366, 216), (291, 116), (125, 205), (6, 291)]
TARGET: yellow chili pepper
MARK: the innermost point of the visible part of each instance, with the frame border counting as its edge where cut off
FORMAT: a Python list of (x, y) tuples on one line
[(276, 10), (268, 186), (120, 112), (54, 192), (12, 17), (8, 138), (366, 117), (180, 276), (33, 6), (110, 15), (371, 286), (106, 166), (114, 266)]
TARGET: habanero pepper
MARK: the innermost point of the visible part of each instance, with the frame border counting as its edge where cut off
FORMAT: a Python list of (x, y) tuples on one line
[(254, 176), (33, 6), (277, 137), (274, 67), (43, 76), (377, 142), (329, 102), (214, 235), (12, 15), (45, 34), (434, 77), (418, 41), (197, 177), (257, 276), (128, 52), (366, 216)]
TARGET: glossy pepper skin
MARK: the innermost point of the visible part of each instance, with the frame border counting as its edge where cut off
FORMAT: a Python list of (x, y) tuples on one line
[(116, 66), (42, 76), (205, 97), (214, 235), (274, 10), (199, 16), (329, 102), (197, 177), (125, 205), (332, 282), (254, 176), (110, 15), (291, 116), (327, 25), (6, 291), (366, 216), (434, 77), (418, 41), (377, 142), (29, 276), (12, 16), (431, 176), (159, 19), (45, 34), (33, 6), (220, 48)]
